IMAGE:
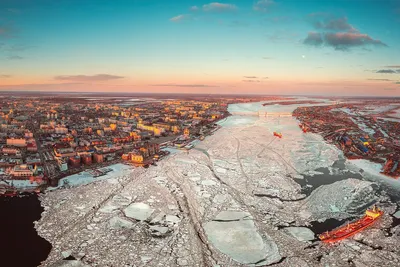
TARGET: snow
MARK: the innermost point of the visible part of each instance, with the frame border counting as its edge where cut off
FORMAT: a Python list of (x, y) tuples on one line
[(372, 171), (84, 177), (172, 150), (22, 184), (138, 211), (301, 233), (118, 223)]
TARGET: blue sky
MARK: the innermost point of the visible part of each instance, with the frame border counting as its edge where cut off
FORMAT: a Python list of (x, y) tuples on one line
[(270, 47)]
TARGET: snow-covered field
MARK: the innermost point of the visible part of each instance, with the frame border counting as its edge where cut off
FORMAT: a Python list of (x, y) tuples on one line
[(226, 202), (84, 177)]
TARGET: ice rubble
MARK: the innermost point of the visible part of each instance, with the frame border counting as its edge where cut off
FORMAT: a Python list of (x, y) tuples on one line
[(180, 208), (339, 200)]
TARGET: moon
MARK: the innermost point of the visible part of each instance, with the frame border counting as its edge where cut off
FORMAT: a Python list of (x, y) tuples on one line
[(303, 56)]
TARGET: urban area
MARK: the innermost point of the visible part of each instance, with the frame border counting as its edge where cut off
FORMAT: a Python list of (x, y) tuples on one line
[(367, 130), (45, 139)]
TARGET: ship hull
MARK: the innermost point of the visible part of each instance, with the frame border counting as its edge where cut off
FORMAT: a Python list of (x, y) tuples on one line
[(349, 230)]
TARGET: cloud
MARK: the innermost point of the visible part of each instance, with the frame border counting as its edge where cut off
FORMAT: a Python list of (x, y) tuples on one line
[(341, 40), (251, 81), (265, 77), (38, 86), (238, 23), (386, 71), (194, 8), (4, 31), (345, 40), (384, 80), (314, 38), (5, 76), (394, 66), (337, 33), (397, 83), (14, 10), (18, 48), (263, 5), (87, 78), (267, 58), (333, 24), (219, 7), (389, 89), (14, 57), (7, 30), (179, 18), (250, 77), (185, 85)]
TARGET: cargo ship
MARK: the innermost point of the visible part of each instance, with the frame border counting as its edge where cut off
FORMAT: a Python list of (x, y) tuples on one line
[(343, 232)]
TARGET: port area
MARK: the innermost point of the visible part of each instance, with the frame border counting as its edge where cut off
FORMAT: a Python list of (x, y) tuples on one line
[(363, 129)]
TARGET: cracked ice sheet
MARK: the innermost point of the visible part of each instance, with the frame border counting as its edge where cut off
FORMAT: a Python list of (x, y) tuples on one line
[(82, 219)]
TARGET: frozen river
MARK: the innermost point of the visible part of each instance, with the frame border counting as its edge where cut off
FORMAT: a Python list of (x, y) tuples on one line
[(241, 197), (288, 126)]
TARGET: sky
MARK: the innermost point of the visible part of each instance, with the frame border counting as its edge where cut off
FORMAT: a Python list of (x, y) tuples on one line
[(321, 47)]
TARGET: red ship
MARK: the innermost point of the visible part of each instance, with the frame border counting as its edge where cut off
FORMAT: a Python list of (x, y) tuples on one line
[(343, 232), (277, 134)]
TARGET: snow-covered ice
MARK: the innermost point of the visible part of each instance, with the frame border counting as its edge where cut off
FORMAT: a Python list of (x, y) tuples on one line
[(220, 204)]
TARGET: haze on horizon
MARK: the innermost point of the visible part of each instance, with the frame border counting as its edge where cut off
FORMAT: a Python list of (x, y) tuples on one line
[(334, 47)]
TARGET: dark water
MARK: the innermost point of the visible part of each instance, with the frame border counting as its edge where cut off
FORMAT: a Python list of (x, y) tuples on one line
[(326, 178), (327, 225), (20, 244)]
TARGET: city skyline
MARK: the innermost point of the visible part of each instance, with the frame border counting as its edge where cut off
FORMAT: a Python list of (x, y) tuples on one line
[(238, 47)]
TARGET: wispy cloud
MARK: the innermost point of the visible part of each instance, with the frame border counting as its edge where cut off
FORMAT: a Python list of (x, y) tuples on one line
[(18, 48), (238, 23), (87, 78), (383, 80), (386, 71), (250, 77), (251, 81), (5, 76), (219, 7), (179, 18), (194, 8), (14, 57), (393, 66), (397, 83), (263, 5), (267, 58), (14, 10), (184, 85)]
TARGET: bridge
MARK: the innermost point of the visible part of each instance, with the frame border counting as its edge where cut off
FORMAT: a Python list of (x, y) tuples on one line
[(262, 113)]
